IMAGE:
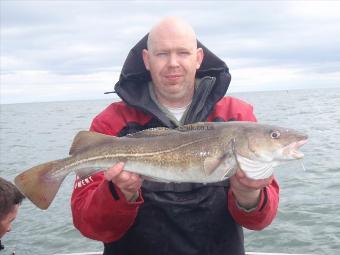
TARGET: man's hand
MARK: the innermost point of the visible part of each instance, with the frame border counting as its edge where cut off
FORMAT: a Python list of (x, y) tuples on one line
[(128, 183), (247, 191)]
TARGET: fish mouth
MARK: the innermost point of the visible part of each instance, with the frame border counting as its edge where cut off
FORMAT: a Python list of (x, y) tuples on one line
[(292, 150)]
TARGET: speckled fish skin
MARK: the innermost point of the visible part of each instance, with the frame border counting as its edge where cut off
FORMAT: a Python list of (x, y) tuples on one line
[(201, 152)]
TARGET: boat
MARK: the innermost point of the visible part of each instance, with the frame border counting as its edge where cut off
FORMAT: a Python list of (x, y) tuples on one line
[(247, 253)]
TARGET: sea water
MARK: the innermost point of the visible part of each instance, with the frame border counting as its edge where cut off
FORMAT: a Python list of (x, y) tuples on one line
[(308, 219)]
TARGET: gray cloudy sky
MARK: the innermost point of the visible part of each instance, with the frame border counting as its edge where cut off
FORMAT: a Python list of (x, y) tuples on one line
[(64, 50)]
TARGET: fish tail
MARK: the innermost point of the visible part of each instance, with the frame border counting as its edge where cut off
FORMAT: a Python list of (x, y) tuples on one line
[(41, 183)]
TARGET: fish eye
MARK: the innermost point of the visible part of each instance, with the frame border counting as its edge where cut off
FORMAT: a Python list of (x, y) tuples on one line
[(275, 134)]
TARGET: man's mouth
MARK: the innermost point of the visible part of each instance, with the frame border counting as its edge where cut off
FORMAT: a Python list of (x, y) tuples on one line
[(173, 77)]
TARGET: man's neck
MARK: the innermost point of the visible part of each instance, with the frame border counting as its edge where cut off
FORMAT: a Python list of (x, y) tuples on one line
[(174, 104), (181, 102)]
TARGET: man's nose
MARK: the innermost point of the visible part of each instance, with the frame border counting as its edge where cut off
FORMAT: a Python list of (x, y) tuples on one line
[(173, 60)]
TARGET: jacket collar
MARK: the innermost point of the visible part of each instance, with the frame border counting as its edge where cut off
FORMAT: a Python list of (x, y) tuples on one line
[(132, 86)]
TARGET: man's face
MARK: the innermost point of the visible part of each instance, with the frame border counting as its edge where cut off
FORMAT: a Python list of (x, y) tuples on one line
[(172, 60), (5, 223)]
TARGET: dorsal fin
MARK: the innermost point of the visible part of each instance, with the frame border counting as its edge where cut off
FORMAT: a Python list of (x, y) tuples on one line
[(153, 132), (85, 139)]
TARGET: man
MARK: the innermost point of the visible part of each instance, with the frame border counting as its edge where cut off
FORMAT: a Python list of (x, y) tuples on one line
[(10, 200), (169, 80)]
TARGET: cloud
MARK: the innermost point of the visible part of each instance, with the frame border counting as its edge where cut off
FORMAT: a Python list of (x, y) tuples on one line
[(57, 50), (40, 86)]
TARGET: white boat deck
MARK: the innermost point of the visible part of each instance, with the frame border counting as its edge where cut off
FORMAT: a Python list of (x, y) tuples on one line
[(247, 253)]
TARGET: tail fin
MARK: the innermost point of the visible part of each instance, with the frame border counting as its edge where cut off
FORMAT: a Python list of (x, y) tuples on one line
[(41, 183)]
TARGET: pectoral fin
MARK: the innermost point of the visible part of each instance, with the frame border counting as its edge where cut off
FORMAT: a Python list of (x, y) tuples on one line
[(226, 160), (210, 164)]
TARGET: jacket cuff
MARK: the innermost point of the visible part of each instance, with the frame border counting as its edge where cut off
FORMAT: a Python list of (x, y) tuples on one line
[(257, 206), (235, 206), (117, 195)]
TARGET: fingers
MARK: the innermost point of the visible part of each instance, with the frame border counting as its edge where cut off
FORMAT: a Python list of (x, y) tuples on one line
[(129, 183), (114, 171), (255, 184), (240, 174), (241, 181)]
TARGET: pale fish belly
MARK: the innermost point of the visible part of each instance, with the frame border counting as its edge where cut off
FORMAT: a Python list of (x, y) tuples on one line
[(167, 173)]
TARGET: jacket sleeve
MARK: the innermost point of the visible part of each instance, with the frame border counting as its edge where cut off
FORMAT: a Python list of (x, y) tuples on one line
[(99, 209), (230, 108), (263, 214)]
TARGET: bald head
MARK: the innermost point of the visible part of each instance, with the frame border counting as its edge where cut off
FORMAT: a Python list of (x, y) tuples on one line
[(172, 58), (171, 27)]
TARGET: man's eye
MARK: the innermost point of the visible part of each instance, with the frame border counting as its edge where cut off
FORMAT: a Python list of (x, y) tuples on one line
[(184, 53)]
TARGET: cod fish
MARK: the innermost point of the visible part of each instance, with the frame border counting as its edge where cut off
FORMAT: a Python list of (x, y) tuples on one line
[(200, 153)]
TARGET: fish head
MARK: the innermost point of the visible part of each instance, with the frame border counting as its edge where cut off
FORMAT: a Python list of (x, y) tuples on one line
[(267, 143)]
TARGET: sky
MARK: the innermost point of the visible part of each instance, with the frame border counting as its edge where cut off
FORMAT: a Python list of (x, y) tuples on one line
[(73, 50)]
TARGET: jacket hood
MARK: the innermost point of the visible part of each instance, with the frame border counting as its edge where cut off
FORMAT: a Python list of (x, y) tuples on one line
[(132, 86)]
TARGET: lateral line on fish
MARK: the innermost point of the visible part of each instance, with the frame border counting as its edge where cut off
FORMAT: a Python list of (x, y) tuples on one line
[(135, 155)]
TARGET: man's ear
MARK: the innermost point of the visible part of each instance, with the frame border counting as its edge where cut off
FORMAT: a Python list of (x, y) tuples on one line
[(200, 56), (146, 59)]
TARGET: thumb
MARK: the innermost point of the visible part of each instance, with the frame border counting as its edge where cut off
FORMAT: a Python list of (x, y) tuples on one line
[(114, 171)]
